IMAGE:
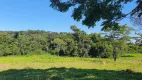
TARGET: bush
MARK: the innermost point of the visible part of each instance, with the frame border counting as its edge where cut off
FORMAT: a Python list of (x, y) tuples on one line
[(102, 50)]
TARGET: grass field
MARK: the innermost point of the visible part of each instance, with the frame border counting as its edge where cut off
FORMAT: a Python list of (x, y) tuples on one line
[(48, 67)]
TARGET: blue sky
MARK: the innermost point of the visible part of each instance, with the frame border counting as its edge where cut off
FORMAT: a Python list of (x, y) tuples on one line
[(19, 15)]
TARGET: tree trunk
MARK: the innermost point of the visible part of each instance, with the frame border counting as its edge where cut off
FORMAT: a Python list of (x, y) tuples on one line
[(114, 53)]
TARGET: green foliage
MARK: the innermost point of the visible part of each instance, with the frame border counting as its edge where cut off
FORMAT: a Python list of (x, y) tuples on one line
[(77, 44), (92, 11), (101, 49)]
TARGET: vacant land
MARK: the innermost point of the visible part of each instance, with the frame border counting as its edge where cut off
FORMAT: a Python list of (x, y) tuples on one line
[(48, 67)]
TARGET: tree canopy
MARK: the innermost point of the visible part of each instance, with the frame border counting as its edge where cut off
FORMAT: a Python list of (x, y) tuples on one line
[(78, 43), (92, 11)]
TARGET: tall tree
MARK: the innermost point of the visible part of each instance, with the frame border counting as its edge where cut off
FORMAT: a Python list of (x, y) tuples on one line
[(59, 44), (120, 34), (83, 41)]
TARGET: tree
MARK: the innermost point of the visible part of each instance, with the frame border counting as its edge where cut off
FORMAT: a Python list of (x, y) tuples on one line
[(59, 44), (83, 41), (76, 44), (118, 38), (70, 48), (92, 11), (138, 42), (100, 47)]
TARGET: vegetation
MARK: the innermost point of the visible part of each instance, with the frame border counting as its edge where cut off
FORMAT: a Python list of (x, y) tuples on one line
[(49, 67), (77, 44), (92, 11), (30, 55)]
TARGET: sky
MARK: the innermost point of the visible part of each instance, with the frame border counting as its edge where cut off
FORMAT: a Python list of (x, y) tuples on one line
[(17, 15)]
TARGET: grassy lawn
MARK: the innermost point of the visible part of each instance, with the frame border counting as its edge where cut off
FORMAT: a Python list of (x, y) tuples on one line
[(48, 67)]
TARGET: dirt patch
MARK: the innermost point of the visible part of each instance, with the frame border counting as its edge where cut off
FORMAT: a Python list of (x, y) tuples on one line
[(136, 61), (4, 66)]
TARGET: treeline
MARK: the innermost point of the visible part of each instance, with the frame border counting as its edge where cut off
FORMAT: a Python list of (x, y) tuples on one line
[(78, 43)]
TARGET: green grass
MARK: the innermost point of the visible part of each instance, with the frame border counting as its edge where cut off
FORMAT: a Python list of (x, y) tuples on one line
[(48, 67)]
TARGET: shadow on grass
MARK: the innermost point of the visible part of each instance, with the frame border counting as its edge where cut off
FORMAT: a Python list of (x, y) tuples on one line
[(127, 56), (67, 74)]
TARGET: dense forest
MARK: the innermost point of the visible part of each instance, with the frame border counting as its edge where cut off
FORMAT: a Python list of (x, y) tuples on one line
[(77, 43)]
